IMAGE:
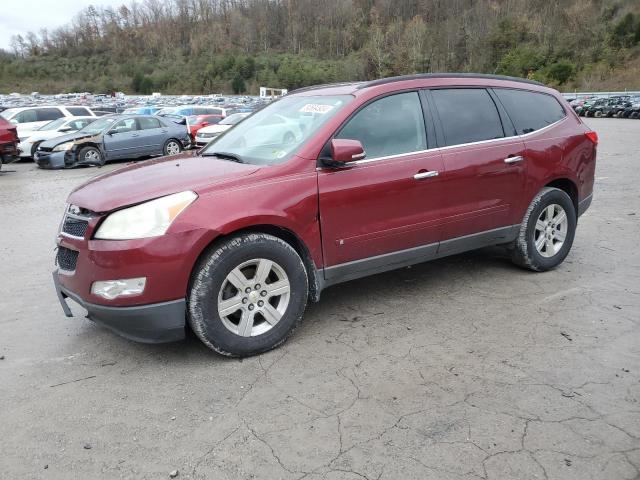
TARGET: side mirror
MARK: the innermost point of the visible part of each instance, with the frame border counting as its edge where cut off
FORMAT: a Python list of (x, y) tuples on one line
[(345, 151), (65, 129)]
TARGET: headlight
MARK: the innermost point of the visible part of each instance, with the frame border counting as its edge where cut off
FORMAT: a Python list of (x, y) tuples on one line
[(63, 147), (149, 219)]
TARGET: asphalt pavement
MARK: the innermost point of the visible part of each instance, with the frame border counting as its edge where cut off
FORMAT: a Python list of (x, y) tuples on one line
[(464, 368)]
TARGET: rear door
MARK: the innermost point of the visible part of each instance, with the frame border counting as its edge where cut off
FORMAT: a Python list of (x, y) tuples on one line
[(151, 135), (389, 202), (484, 168)]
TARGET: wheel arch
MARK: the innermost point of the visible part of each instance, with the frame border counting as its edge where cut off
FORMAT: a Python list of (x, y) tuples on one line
[(314, 275), (568, 186)]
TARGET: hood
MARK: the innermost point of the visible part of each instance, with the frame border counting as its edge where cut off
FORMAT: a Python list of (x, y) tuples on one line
[(67, 138), (155, 178)]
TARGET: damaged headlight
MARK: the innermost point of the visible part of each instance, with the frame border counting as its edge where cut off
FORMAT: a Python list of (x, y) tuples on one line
[(63, 147), (149, 219)]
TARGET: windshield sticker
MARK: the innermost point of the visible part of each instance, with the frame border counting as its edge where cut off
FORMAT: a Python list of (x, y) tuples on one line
[(316, 108)]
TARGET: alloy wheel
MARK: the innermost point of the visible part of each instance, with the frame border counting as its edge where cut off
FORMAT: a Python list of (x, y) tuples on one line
[(173, 148), (253, 297), (551, 230)]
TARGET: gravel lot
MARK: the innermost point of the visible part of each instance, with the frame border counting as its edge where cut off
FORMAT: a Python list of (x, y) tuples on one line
[(463, 368)]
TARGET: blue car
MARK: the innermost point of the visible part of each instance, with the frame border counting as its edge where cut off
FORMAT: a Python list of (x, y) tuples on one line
[(114, 137), (148, 110)]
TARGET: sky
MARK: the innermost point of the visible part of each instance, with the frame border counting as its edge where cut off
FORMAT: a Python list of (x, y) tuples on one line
[(22, 16)]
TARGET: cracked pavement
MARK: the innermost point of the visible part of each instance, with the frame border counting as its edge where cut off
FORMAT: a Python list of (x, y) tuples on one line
[(463, 368)]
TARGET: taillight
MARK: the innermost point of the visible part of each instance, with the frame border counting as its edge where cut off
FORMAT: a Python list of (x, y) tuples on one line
[(593, 136)]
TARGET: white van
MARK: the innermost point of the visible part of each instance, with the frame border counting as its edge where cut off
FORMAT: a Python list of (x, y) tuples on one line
[(32, 118)]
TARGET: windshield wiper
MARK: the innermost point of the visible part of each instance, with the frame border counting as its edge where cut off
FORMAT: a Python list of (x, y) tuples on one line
[(225, 155)]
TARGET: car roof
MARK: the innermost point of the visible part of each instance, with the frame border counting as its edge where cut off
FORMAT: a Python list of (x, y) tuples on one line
[(423, 79)]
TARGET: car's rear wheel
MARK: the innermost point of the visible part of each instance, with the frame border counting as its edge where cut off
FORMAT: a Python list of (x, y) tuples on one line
[(91, 156), (248, 295), (172, 147), (547, 231)]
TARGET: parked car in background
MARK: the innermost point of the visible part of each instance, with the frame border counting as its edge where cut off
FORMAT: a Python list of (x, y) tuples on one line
[(206, 134), (31, 139), (187, 110), (8, 142), (31, 118), (148, 110), (114, 137), (196, 122), (325, 185), (633, 108)]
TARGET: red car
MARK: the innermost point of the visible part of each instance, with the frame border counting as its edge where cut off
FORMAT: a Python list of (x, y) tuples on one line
[(325, 185), (8, 142), (196, 122)]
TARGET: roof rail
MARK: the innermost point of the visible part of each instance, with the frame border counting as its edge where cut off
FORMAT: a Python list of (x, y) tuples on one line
[(419, 76), (324, 85)]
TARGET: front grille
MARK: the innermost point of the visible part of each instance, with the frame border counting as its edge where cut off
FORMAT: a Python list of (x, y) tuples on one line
[(75, 226), (66, 259)]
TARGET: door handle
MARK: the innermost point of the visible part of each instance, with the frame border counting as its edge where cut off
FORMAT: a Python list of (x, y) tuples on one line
[(421, 175), (515, 159)]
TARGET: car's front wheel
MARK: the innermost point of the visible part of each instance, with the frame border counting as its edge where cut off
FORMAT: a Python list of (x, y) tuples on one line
[(547, 231), (248, 295), (91, 156)]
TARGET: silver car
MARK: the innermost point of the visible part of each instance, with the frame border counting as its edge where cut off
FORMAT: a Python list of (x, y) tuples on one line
[(114, 137)]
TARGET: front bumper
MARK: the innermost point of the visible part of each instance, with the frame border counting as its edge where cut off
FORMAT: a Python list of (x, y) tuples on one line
[(50, 160), (154, 323)]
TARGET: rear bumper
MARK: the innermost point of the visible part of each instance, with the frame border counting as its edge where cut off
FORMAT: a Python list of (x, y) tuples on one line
[(9, 153), (155, 323), (584, 204)]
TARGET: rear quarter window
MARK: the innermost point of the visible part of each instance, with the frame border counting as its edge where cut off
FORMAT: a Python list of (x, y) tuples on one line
[(530, 111)]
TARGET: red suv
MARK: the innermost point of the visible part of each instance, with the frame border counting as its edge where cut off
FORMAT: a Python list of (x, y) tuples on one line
[(8, 142), (326, 185)]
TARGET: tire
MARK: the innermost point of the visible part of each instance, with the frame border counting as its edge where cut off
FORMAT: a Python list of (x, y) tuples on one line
[(597, 114), (211, 289), (34, 147), (91, 156), (531, 249), (172, 147)]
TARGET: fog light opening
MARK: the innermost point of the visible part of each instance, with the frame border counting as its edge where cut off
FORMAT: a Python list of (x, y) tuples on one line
[(111, 289)]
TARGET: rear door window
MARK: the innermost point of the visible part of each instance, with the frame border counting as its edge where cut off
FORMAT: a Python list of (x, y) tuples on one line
[(48, 114), (530, 111), (467, 115), (147, 123), (392, 125)]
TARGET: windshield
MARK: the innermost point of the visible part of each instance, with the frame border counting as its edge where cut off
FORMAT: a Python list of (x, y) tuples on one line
[(55, 124), (233, 119), (98, 126), (273, 134)]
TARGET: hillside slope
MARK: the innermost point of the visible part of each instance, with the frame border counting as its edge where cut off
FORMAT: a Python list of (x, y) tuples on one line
[(203, 46)]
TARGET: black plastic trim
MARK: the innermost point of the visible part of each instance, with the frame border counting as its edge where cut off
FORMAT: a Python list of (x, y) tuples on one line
[(403, 258), (584, 204), (420, 76), (154, 323)]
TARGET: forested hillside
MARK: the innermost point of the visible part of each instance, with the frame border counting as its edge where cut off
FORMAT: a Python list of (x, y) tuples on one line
[(205, 46)]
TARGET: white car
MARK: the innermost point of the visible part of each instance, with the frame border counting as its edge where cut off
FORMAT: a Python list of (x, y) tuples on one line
[(30, 139), (206, 134), (31, 118)]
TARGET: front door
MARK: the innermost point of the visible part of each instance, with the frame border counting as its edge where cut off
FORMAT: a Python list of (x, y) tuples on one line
[(386, 208), (122, 140)]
